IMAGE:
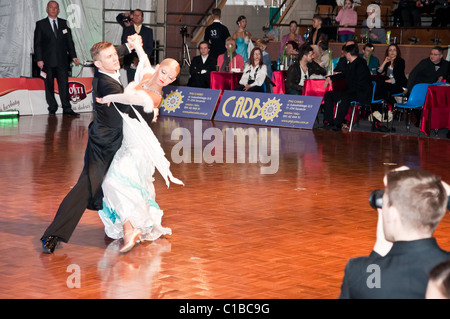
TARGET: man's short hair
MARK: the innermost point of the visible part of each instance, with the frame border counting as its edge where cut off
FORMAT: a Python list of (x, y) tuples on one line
[(317, 17), (352, 49), (142, 12), (304, 50), (204, 42), (368, 45), (99, 47), (419, 197), (230, 39), (216, 12), (438, 48), (294, 44)]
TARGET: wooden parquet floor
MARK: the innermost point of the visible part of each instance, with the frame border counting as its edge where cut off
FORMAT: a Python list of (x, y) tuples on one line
[(237, 233)]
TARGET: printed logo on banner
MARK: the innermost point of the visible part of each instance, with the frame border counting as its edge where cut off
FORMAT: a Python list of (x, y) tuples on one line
[(173, 101), (189, 102), (77, 92), (268, 109)]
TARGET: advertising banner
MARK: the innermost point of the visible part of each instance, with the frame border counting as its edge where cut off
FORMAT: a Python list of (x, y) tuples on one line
[(268, 109), (183, 101)]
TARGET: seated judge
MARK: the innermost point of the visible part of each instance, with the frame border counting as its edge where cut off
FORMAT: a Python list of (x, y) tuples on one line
[(301, 70), (225, 62), (255, 73), (201, 67)]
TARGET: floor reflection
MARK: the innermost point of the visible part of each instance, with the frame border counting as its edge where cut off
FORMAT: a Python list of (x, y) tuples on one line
[(126, 276)]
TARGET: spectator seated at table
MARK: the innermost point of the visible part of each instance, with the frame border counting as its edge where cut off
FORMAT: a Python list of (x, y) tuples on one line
[(372, 61), (291, 36), (290, 53), (343, 62), (201, 67), (393, 68), (374, 31), (225, 63), (430, 70), (301, 70), (358, 87), (255, 73), (321, 55)]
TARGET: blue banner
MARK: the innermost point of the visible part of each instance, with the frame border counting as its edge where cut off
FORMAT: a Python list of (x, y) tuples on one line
[(183, 101), (268, 109)]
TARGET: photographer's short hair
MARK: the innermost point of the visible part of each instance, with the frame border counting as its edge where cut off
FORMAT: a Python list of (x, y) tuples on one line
[(142, 12), (419, 197)]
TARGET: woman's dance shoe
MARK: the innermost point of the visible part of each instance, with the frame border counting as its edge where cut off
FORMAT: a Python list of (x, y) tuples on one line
[(133, 238)]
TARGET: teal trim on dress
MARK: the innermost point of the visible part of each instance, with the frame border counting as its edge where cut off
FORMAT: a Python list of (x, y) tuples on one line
[(109, 213)]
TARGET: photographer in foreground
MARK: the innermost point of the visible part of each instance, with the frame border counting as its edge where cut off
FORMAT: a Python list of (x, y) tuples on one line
[(413, 204)]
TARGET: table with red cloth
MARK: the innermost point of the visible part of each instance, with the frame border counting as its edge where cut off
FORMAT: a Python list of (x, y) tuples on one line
[(436, 110), (314, 87), (278, 78), (224, 81)]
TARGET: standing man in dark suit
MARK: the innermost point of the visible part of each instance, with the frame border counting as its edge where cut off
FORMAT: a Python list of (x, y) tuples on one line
[(201, 67), (217, 34), (358, 86), (131, 60), (413, 204), (52, 43), (105, 138)]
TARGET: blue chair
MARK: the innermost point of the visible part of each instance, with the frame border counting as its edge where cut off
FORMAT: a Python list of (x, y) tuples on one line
[(416, 100)]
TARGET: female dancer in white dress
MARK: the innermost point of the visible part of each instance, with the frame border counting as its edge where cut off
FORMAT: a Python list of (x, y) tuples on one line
[(129, 208)]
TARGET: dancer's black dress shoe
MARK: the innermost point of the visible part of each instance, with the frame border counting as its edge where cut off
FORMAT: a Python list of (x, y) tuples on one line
[(49, 244), (51, 112), (71, 113)]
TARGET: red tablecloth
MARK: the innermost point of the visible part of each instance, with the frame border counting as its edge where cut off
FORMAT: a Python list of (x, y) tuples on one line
[(315, 87), (278, 78), (436, 110), (224, 81)]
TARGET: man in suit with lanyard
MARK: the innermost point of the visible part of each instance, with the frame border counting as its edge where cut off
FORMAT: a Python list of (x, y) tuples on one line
[(105, 138), (52, 42), (131, 60)]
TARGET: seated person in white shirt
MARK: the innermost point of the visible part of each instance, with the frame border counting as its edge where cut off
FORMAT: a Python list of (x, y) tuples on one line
[(255, 73), (201, 67), (301, 70)]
